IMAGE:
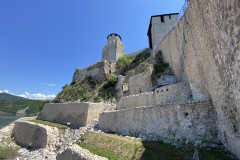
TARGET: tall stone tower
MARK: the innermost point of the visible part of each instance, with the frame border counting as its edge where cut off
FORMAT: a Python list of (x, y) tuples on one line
[(113, 49), (158, 26)]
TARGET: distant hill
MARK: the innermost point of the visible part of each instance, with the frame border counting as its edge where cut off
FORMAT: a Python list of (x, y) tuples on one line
[(5, 96), (11, 104)]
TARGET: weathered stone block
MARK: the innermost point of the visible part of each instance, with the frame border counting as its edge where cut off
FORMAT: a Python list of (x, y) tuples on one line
[(34, 135), (75, 152), (77, 114)]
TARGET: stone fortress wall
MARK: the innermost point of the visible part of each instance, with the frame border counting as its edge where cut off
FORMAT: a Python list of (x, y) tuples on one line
[(209, 34), (74, 114), (174, 123), (98, 71), (141, 82), (204, 54), (179, 92)]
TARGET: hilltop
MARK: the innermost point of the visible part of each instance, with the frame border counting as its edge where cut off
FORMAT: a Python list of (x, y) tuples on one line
[(15, 104)]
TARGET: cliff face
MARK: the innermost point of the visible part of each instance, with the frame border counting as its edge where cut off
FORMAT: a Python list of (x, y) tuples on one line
[(207, 37)]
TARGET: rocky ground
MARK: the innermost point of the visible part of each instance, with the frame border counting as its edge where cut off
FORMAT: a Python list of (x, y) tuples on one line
[(67, 139)]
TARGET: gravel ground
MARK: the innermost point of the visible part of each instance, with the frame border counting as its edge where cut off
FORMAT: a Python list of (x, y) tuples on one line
[(69, 138)]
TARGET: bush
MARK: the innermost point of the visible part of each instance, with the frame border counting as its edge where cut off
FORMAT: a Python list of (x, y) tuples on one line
[(160, 68), (141, 57), (111, 82), (41, 105), (66, 85), (72, 83), (124, 62)]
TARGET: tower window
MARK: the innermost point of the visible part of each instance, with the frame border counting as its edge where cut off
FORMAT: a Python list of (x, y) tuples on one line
[(162, 19), (170, 17)]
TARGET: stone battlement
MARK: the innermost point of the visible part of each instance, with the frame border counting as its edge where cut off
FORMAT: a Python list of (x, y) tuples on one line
[(179, 92)]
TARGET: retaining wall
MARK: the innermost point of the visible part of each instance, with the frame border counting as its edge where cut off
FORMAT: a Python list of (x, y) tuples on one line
[(212, 60), (77, 114), (179, 92), (176, 123)]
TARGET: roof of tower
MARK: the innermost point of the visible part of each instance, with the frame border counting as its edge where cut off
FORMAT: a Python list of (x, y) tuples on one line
[(115, 34)]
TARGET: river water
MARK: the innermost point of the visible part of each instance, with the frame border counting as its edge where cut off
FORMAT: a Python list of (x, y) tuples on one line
[(5, 119)]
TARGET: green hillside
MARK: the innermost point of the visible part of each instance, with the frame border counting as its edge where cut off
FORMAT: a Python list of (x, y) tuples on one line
[(11, 104), (5, 96)]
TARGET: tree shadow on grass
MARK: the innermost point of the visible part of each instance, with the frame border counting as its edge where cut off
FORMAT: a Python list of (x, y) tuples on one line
[(161, 151)]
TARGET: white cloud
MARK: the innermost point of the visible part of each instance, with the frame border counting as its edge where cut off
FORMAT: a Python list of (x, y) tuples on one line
[(4, 91), (37, 96), (49, 84), (22, 95)]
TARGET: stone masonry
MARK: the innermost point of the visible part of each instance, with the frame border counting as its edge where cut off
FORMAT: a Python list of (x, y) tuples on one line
[(159, 24), (98, 71), (174, 123), (113, 49), (74, 114), (211, 31), (179, 92)]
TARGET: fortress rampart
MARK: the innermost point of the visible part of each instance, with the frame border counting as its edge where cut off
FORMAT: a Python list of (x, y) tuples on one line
[(206, 43), (172, 123), (179, 92)]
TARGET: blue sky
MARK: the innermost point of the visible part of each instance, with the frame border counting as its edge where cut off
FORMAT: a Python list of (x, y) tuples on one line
[(43, 41)]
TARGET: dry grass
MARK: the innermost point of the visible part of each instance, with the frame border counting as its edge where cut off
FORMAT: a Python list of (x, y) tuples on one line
[(61, 127), (121, 148)]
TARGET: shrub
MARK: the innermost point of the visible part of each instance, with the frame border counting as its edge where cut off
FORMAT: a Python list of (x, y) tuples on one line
[(72, 83), (66, 85), (111, 82), (141, 58), (160, 68), (41, 105), (124, 62)]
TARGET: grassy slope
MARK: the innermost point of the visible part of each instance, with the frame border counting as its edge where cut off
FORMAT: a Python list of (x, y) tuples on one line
[(11, 104), (122, 148), (8, 153), (51, 124), (88, 89)]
